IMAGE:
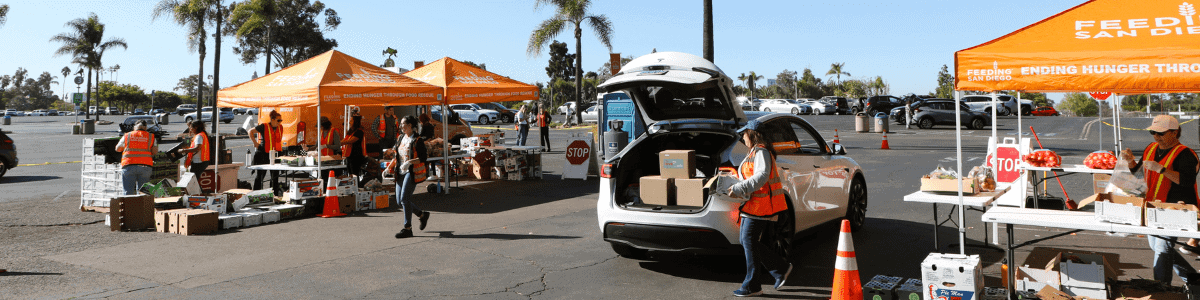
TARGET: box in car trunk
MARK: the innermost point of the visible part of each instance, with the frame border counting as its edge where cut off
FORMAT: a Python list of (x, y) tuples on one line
[(656, 190), (689, 192), (677, 163)]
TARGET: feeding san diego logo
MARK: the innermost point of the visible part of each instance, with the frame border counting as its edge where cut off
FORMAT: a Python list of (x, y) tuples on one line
[(1158, 26)]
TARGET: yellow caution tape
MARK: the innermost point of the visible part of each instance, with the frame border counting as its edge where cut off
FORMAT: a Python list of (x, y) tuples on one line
[(1127, 128), (50, 163)]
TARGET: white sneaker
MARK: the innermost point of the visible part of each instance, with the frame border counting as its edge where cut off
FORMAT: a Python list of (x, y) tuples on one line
[(1184, 250)]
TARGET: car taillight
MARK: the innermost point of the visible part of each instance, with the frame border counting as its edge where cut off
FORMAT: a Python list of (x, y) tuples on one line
[(606, 171), (7, 144)]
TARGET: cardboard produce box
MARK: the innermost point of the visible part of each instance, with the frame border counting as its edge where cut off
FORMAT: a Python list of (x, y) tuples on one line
[(304, 188), (194, 221), (215, 203), (969, 186), (690, 192), (677, 163), (656, 190), (287, 211), (251, 217), (382, 200), (952, 276), (131, 213), (1117, 209), (270, 216), (347, 203), (1100, 182), (1171, 216), (162, 220), (229, 221)]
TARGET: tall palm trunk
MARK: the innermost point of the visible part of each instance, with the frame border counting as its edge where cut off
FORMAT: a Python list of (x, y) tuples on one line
[(98, 100), (268, 46), (216, 74), (88, 114), (200, 87), (708, 31), (578, 73)]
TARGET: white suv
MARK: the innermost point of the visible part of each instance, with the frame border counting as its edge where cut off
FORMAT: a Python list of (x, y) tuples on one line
[(474, 113), (686, 103)]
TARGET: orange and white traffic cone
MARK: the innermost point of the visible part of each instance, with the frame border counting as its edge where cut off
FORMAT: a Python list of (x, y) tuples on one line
[(846, 283), (836, 139), (885, 146), (332, 207)]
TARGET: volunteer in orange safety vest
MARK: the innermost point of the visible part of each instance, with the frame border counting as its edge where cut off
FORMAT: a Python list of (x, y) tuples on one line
[(267, 138), (199, 155), (1170, 169), (759, 184), (137, 157), (409, 166)]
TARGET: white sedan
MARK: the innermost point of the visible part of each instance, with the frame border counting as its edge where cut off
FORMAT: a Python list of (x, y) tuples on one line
[(474, 113), (590, 115), (785, 105), (819, 108)]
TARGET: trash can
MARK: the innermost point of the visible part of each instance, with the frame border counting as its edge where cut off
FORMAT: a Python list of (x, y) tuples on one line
[(87, 126), (163, 119), (861, 122), (75, 129), (881, 123), (7, 120)]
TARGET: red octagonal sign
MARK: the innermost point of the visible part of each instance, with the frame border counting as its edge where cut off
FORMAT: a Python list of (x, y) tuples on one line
[(578, 152), (1100, 95)]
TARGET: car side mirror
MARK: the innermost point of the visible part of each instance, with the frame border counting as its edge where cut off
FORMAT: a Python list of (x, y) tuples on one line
[(837, 149)]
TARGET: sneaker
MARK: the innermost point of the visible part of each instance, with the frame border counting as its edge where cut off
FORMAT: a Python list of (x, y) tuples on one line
[(780, 282), (424, 219), (1187, 250), (404, 233), (745, 293)]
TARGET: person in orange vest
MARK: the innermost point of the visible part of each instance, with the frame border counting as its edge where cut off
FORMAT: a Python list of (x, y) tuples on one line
[(387, 128), (1170, 170), (200, 153), (760, 184), (137, 157), (354, 146), (409, 167), (543, 123), (269, 138), (330, 139)]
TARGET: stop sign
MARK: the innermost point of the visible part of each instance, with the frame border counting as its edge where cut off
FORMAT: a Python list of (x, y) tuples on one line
[(578, 152), (1100, 95), (1006, 164)]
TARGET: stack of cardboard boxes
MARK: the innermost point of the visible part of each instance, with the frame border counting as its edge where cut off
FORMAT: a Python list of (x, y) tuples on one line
[(676, 185), (1136, 211)]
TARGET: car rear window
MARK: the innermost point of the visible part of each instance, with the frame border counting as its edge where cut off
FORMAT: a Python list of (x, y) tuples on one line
[(667, 102)]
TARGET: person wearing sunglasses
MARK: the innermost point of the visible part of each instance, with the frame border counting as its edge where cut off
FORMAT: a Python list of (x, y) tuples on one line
[(266, 138), (1170, 170)]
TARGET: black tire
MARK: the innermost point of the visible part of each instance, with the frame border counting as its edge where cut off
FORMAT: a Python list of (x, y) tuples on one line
[(1007, 112), (977, 123), (766, 110), (854, 111), (856, 204), (227, 122), (925, 123), (507, 119), (3, 168), (628, 251), (1055, 114), (795, 111), (180, 113), (779, 237), (483, 119), (188, 120), (815, 112)]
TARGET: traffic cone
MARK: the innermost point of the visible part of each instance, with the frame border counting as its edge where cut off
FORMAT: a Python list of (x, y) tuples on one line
[(846, 283), (884, 146), (332, 207), (836, 139)]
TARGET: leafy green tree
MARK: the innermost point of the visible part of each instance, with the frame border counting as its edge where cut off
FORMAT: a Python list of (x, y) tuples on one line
[(852, 88), (66, 71), (878, 86), (169, 100), (27, 93), (751, 81), (389, 53), (570, 12), (1079, 104), (3, 14), (1039, 99), (560, 65), (786, 81), (126, 96), (473, 64), (191, 83), (287, 31), (810, 86), (86, 44), (193, 15), (837, 69), (945, 81)]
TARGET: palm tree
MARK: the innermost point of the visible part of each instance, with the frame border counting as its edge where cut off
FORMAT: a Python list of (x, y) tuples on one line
[(750, 81), (389, 52), (708, 31), (573, 12), (836, 70), (258, 14), (192, 15), (3, 14), (84, 43), (66, 71)]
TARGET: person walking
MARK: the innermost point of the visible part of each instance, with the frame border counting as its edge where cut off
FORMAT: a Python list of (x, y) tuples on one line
[(269, 139), (408, 165), (759, 182), (543, 122), (137, 157), (522, 125), (199, 155), (354, 147), (1170, 170)]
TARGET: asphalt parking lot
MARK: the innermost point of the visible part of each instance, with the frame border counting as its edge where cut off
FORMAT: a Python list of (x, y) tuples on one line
[(495, 239)]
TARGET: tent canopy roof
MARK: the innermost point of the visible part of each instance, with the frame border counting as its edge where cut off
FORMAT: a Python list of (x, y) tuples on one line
[(1120, 46), (464, 83), (332, 78)]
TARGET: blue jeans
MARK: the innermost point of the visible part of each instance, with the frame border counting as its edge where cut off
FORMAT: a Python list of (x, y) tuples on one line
[(1167, 258), (758, 257), (522, 133), (404, 192), (134, 176)]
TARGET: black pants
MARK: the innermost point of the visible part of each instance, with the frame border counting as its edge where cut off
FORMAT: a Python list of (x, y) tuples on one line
[(545, 139), (262, 158), (387, 143), (197, 168), (354, 165)]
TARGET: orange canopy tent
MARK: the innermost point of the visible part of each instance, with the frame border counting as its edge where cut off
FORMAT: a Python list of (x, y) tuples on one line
[(1119, 46), (332, 78), (463, 83)]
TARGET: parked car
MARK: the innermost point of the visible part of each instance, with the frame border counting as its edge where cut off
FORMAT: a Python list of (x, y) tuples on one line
[(1044, 111), (37, 113), (821, 183), (138, 112), (14, 113), (112, 111), (52, 112), (819, 107), (156, 111), (785, 105), (590, 115), (458, 129), (1008, 104), (932, 112), (152, 126), (882, 104), (8, 154), (845, 106), (506, 115), (472, 112), (226, 115), (748, 104), (246, 111), (897, 113), (185, 109), (95, 110)]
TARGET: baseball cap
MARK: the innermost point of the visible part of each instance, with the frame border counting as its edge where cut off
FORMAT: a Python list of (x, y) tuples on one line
[(752, 125), (1163, 123)]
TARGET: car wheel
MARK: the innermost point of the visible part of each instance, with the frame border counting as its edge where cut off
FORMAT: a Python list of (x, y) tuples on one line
[(180, 113), (925, 123), (188, 120), (1055, 114), (483, 119), (766, 110), (508, 119), (854, 111), (628, 251), (779, 237), (795, 111), (227, 122), (856, 205), (977, 123), (3, 168)]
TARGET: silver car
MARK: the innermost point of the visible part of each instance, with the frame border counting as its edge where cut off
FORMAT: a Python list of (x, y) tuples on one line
[(822, 184)]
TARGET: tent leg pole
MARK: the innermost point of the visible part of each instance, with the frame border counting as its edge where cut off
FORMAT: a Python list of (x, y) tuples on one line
[(962, 249)]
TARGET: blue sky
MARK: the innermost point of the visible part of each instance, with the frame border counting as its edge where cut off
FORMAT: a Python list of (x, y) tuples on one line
[(906, 42)]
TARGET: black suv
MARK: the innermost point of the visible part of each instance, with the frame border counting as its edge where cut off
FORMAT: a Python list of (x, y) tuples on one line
[(844, 106), (8, 154), (882, 104)]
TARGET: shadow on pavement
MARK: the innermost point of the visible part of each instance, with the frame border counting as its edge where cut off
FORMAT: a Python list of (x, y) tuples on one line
[(19, 179), (487, 197), (502, 236), (11, 273)]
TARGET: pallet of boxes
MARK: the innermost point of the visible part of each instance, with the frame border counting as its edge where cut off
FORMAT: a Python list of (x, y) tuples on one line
[(499, 163), (676, 184), (100, 172)]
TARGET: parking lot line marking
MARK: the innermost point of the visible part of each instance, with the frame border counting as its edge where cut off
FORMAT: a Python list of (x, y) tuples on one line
[(50, 163)]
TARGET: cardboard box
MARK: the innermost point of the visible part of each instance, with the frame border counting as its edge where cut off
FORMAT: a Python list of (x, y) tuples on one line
[(304, 188), (952, 276), (229, 221), (215, 203), (656, 190), (1082, 279), (131, 213), (482, 171), (516, 176), (1029, 278), (251, 217), (969, 186), (1117, 209), (270, 217), (194, 221), (677, 163), (162, 220), (364, 201), (1100, 182), (1171, 216), (287, 211), (690, 192), (382, 200), (259, 197), (189, 182), (994, 293), (1050, 293), (347, 203)]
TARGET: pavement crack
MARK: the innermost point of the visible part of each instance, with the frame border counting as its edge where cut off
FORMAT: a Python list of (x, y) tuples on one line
[(56, 225)]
